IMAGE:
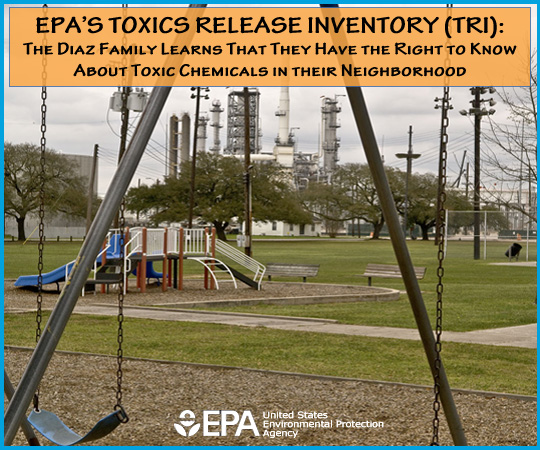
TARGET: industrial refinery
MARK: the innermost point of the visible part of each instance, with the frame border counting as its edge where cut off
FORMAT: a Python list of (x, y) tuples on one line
[(303, 166)]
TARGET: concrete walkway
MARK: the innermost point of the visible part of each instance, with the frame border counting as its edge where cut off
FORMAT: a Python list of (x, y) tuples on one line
[(521, 336)]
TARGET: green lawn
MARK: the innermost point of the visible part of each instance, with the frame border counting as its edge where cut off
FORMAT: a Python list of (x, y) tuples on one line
[(468, 366), (22, 259), (477, 295)]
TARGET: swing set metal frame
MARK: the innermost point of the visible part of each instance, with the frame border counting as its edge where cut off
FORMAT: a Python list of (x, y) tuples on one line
[(15, 413)]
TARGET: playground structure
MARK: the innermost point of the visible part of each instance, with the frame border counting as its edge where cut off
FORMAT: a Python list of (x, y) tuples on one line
[(171, 246)]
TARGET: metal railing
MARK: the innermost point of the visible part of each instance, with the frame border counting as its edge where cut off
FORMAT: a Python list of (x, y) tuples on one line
[(69, 268), (196, 241), (242, 259), (105, 250), (154, 241), (173, 241), (134, 245)]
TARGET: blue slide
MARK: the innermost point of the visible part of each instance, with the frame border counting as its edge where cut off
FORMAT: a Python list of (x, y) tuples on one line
[(150, 272), (56, 276), (59, 275)]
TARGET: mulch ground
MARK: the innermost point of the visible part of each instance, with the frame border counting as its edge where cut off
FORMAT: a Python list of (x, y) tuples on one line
[(81, 388)]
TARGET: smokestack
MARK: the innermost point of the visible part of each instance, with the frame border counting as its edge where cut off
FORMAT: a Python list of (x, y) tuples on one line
[(173, 146), (283, 114), (184, 148), (201, 133)]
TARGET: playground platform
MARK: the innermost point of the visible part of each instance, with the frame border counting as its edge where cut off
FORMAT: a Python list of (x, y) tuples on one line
[(165, 247)]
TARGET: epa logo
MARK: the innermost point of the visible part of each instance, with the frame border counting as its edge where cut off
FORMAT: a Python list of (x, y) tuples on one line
[(187, 426), (219, 421)]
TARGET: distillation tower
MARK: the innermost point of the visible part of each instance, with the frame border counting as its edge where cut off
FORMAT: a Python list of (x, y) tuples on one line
[(215, 124), (329, 140), (235, 122)]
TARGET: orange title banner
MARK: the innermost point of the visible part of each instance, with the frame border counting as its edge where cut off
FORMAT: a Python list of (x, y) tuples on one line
[(269, 46)]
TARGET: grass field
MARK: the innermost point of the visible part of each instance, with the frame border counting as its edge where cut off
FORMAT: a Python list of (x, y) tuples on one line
[(468, 366), (477, 295)]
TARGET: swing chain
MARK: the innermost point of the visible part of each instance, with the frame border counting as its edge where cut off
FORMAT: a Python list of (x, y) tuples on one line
[(41, 214), (440, 252), (120, 318), (440, 271), (123, 279)]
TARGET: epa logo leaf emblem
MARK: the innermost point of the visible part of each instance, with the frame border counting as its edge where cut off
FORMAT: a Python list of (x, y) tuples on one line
[(187, 426)]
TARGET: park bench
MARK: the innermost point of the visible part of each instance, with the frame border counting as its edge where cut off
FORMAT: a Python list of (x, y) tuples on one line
[(389, 271), (291, 270)]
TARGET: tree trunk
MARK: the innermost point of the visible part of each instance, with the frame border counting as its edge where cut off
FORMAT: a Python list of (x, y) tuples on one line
[(377, 227), (220, 230), (20, 228), (425, 230)]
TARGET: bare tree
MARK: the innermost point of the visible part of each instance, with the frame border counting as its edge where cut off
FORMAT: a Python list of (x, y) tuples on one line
[(510, 153), (63, 188)]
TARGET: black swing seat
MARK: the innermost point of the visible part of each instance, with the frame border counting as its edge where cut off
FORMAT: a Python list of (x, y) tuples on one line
[(52, 428)]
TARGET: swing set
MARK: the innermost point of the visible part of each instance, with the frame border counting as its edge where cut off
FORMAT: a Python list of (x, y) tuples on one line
[(51, 427)]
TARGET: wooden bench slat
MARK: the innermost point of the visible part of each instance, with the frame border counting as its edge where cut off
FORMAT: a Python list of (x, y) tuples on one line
[(389, 271), (291, 270)]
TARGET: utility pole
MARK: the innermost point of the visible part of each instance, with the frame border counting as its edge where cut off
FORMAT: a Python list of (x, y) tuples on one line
[(445, 106), (126, 90), (458, 179), (91, 189), (409, 156), (478, 111), (476, 193), (247, 175), (196, 96), (467, 183)]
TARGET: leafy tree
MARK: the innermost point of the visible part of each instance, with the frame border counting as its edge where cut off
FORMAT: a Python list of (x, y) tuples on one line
[(219, 194), (330, 203), (352, 195), (63, 187), (422, 209)]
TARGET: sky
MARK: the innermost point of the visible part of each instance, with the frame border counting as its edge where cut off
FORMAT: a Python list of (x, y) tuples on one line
[(79, 117)]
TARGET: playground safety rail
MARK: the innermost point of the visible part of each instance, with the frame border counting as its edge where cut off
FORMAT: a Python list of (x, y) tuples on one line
[(242, 259), (135, 244), (69, 268), (173, 241), (196, 241), (154, 241), (104, 250)]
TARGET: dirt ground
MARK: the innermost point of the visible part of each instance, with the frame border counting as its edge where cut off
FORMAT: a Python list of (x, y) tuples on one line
[(81, 390)]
